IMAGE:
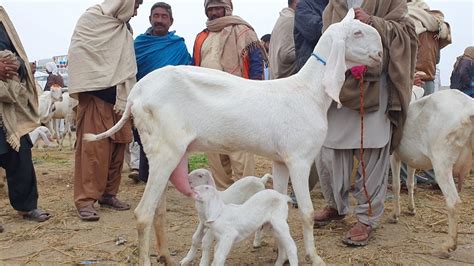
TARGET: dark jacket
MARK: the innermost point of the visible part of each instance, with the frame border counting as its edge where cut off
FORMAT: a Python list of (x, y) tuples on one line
[(308, 28), (462, 77)]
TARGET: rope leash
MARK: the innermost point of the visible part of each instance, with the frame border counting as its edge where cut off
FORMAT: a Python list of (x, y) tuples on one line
[(358, 73)]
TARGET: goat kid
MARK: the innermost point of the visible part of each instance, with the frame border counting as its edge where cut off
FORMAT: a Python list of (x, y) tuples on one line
[(232, 223), (436, 137), (183, 109), (42, 133), (239, 192)]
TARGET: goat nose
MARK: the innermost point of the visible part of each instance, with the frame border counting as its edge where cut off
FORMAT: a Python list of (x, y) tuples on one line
[(380, 54)]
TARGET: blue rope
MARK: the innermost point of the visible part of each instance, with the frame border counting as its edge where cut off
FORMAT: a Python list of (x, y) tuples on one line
[(319, 58)]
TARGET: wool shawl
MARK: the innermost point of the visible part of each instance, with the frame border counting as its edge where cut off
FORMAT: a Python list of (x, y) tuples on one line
[(237, 38), (18, 100), (399, 39), (101, 53), (153, 52)]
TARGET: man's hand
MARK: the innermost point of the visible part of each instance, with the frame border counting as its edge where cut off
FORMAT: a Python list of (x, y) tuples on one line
[(361, 15), (9, 69), (418, 80)]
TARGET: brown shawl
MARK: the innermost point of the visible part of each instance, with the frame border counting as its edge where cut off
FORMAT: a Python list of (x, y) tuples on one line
[(389, 18), (18, 100), (238, 38)]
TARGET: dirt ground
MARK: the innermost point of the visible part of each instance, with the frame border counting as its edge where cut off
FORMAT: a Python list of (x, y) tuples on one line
[(65, 239)]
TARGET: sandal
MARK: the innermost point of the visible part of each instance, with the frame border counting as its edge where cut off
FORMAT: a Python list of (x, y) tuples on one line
[(88, 214), (358, 235), (114, 203), (36, 215)]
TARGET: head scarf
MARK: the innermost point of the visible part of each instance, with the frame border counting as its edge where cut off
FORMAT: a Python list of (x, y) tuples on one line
[(227, 4), (51, 68), (469, 52)]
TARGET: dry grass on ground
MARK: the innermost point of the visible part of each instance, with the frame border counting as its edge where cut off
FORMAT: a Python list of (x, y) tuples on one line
[(66, 240)]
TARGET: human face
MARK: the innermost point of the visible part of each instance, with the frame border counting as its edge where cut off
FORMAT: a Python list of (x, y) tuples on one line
[(160, 21), (215, 12), (137, 4)]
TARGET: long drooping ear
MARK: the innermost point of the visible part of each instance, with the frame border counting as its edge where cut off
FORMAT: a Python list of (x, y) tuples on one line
[(349, 16), (214, 207), (210, 180), (334, 75)]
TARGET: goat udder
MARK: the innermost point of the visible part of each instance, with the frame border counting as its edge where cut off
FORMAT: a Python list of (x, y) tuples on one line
[(179, 178)]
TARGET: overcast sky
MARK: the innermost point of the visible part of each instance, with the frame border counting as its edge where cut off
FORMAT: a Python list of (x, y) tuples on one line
[(45, 26)]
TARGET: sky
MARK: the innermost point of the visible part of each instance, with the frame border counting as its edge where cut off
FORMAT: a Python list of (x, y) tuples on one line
[(45, 26)]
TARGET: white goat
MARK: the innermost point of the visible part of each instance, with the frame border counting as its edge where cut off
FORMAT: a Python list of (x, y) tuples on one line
[(41, 133), (438, 134), (232, 223), (178, 110), (64, 110), (238, 193), (46, 104)]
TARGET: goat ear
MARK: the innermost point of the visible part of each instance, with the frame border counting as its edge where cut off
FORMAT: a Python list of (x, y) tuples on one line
[(349, 16), (211, 181), (334, 75)]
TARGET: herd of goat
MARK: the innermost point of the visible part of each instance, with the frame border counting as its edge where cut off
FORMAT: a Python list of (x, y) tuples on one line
[(180, 110)]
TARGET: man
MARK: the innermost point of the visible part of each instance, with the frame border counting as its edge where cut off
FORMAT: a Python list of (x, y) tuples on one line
[(39, 90), (18, 116), (387, 92), (433, 35), (308, 28), (266, 44), (102, 69), (156, 48), (462, 77), (54, 78), (281, 55), (229, 44)]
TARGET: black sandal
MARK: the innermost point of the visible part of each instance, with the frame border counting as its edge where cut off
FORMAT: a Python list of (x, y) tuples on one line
[(36, 215)]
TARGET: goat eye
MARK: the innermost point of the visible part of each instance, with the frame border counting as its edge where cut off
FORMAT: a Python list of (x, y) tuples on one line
[(358, 34)]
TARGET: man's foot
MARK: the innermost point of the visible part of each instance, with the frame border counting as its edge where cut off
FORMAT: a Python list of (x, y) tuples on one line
[(113, 203), (327, 215), (358, 235), (134, 176), (88, 214), (36, 215)]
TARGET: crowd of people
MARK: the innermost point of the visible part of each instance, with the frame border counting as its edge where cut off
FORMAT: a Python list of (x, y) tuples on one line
[(105, 62)]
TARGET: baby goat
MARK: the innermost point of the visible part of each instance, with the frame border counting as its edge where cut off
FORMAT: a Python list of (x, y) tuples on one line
[(239, 192), (232, 223)]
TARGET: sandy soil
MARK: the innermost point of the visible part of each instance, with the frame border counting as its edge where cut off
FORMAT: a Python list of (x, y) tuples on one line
[(66, 240)]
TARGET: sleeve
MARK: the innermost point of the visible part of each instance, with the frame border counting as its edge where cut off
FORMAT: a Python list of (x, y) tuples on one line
[(256, 64), (309, 20)]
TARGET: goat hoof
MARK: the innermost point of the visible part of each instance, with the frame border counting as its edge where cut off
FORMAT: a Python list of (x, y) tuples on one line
[(442, 254), (393, 219), (411, 212)]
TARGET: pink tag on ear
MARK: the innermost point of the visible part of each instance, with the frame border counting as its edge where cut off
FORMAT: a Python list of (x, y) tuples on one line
[(358, 71)]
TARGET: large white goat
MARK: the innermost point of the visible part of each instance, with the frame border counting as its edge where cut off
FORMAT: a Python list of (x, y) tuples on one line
[(232, 223), (46, 104), (238, 193), (179, 110), (438, 134)]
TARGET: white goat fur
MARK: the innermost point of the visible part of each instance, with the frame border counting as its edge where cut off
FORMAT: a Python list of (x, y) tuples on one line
[(41, 133), (64, 110), (239, 192), (46, 103), (438, 134), (232, 223), (178, 110)]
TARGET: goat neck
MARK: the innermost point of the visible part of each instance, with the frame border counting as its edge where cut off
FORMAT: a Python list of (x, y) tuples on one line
[(312, 73)]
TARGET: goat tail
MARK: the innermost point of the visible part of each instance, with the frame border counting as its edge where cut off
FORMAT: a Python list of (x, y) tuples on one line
[(114, 129), (265, 178)]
